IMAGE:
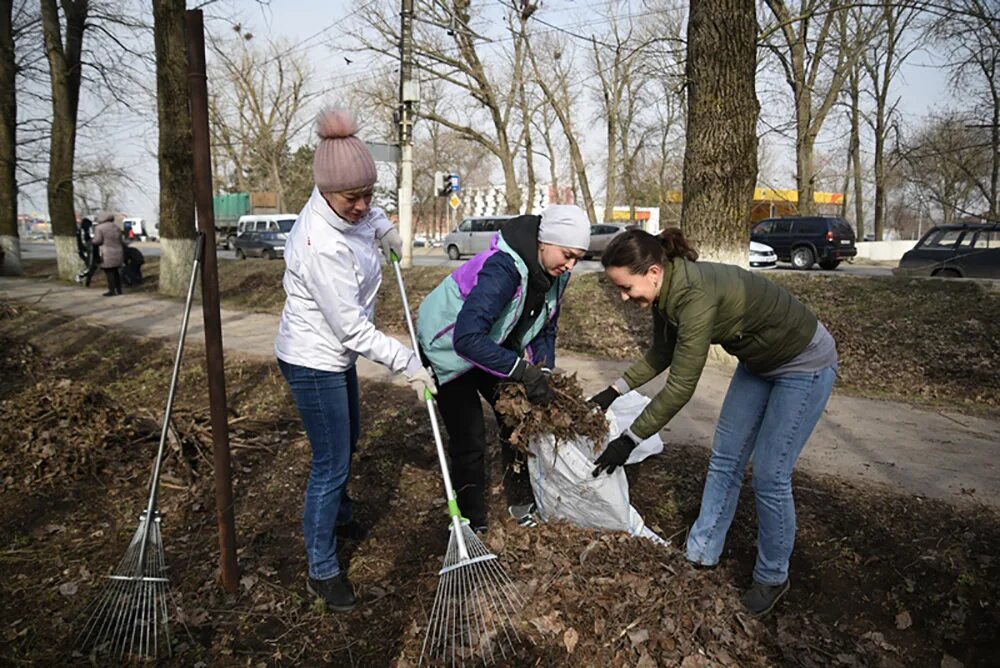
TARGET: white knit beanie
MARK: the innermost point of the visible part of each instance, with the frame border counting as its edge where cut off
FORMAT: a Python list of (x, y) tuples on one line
[(565, 225)]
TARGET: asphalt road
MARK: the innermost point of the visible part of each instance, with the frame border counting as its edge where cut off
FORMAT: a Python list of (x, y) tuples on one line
[(41, 250)]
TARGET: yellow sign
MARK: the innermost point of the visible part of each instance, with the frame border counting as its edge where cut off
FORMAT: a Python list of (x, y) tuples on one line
[(775, 195), (454, 201)]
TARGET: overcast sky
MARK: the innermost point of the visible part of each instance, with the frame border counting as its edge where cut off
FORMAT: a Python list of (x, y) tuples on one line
[(318, 30)]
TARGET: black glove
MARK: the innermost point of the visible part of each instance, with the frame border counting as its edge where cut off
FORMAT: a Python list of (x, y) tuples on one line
[(536, 383), (605, 397), (615, 455)]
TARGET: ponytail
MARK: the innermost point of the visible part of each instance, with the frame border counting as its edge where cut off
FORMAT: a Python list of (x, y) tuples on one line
[(637, 250), (675, 244)]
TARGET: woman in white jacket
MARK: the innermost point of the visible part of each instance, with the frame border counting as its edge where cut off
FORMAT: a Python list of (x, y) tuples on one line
[(332, 276)]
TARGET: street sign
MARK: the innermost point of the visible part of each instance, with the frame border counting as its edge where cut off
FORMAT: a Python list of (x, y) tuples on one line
[(454, 201), (453, 183), (384, 152)]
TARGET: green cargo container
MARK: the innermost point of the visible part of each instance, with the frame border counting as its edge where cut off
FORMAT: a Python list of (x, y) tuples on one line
[(229, 208)]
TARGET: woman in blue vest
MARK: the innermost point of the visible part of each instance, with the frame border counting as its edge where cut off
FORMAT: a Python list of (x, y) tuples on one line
[(494, 320)]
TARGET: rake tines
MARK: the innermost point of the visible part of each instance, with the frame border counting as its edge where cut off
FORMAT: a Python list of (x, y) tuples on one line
[(472, 616), (129, 615)]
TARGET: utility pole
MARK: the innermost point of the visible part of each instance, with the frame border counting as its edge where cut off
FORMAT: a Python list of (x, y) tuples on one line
[(408, 96)]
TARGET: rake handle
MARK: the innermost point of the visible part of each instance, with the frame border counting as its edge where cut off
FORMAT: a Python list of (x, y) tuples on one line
[(154, 482), (453, 510)]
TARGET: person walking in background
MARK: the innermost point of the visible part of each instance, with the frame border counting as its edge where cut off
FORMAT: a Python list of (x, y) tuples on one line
[(108, 237), (87, 251), (332, 276), (494, 319), (787, 367)]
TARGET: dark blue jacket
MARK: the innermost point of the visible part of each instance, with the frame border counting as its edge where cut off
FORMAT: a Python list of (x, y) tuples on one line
[(495, 289)]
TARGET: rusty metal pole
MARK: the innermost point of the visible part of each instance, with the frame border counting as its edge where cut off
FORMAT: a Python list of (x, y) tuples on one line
[(198, 88)]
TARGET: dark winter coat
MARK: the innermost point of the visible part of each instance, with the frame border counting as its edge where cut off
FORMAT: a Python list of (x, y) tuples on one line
[(480, 317), (109, 237)]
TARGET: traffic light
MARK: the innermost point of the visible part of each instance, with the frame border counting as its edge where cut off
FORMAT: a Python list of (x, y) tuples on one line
[(446, 183)]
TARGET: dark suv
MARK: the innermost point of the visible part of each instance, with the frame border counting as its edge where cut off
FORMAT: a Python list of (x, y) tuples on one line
[(965, 250), (803, 240)]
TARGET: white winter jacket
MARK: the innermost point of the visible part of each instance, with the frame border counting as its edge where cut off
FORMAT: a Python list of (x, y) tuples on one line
[(332, 276)]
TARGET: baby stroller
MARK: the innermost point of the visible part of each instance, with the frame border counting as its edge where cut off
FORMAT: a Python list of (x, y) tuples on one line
[(132, 269)]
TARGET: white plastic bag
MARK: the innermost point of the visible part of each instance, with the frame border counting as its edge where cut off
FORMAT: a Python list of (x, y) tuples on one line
[(565, 489)]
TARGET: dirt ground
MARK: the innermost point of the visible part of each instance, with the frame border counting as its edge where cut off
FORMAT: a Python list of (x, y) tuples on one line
[(877, 579)]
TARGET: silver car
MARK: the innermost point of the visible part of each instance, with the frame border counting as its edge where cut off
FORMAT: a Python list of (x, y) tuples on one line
[(473, 235), (601, 235)]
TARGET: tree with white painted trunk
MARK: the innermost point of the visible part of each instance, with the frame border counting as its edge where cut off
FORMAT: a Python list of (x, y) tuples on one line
[(65, 72), (174, 153), (720, 157)]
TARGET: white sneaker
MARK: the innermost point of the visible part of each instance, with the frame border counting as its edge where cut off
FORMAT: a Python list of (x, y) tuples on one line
[(524, 515)]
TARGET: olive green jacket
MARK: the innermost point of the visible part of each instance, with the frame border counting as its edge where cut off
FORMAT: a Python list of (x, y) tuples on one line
[(702, 303)]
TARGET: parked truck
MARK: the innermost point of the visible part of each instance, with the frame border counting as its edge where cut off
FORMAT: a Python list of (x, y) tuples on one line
[(228, 209), (231, 207)]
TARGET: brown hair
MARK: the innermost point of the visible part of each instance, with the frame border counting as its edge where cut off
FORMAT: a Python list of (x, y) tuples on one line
[(637, 250)]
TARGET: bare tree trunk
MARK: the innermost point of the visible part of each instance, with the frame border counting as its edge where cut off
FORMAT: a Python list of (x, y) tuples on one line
[(720, 158), (881, 62), (805, 169), (855, 154), (65, 74), (177, 228), (611, 88), (880, 194), (529, 149), (522, 82), (10, 243), (551, 149), (995, 167)]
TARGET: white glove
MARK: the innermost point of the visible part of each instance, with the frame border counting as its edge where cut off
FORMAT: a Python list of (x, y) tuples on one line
[(420, 381), (391, 241)]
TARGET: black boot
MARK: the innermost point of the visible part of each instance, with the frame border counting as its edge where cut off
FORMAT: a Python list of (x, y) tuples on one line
[(760, 598), (337, 592)]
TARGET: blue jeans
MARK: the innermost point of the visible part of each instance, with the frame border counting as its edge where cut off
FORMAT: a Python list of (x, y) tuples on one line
[(770, 420), (331, 414)]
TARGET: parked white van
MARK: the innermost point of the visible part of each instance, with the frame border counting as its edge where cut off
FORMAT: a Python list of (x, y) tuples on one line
[(272, 222)]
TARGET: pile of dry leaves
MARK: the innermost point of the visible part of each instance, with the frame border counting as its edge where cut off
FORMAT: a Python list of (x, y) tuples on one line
[(601, 599), (67, 431), (569, 417)]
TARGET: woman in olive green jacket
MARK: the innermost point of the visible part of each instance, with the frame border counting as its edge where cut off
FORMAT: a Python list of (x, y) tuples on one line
[(788, 363)]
